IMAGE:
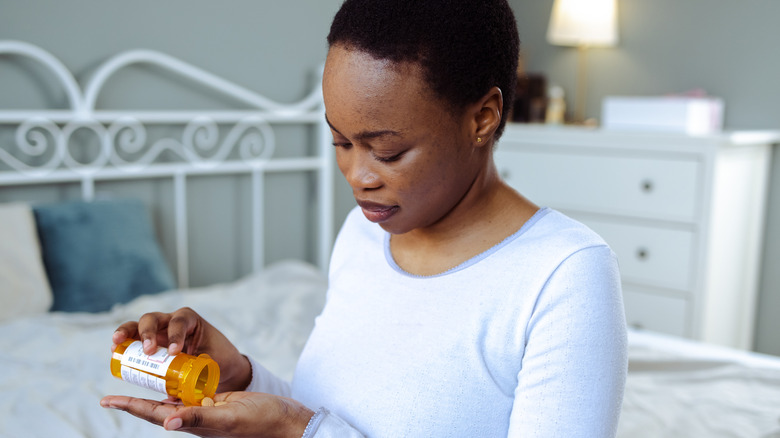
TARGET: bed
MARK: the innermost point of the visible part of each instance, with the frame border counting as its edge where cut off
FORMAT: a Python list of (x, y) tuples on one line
[(54, 350), (55, 366)]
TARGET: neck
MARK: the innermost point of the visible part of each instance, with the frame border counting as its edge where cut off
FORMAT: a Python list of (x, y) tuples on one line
[(484, 204), (489, 213)]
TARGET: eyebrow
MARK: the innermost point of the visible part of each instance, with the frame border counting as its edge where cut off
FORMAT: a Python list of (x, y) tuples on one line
[(366, 135)]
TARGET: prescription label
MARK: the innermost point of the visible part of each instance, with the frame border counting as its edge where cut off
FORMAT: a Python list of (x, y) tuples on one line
[(157, 363), (143, 379)]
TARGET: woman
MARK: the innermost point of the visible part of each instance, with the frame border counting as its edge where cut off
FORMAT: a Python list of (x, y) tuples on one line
[(456, 307)]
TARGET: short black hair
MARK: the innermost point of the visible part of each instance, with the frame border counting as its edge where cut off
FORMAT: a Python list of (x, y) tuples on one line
[(465, 47)]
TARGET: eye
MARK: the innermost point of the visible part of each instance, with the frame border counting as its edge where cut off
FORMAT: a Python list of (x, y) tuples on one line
[(342, 144), (391, 159)]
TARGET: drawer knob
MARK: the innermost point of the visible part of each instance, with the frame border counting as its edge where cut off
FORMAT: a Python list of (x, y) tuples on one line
[(642, 254), (647, 185)]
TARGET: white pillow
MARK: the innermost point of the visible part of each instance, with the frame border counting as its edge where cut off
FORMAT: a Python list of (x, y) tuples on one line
[(24, 288)]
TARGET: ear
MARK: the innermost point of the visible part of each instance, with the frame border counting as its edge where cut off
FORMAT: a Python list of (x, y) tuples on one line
[(485, 116)]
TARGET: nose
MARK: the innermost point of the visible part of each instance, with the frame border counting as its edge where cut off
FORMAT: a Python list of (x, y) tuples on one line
[(358, 169)]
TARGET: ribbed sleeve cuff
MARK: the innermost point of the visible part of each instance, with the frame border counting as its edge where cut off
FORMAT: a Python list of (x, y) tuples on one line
[(323, 424)]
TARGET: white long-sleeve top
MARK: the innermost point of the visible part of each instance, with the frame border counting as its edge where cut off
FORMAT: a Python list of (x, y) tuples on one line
[(527, 339)]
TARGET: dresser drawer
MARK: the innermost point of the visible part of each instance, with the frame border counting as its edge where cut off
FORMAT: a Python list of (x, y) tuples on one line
[(647, 186), (656, 256), (659, 313)]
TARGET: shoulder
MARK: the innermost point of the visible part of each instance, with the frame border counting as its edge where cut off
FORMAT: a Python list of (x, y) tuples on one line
[(550, 238), (581, 288), (571, 243), (558, 231), (581, 270)]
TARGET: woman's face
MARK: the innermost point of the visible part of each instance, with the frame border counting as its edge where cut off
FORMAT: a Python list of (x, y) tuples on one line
[(407, 157)]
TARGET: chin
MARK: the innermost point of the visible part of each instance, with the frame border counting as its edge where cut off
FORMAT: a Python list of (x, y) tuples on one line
[(391, 229)]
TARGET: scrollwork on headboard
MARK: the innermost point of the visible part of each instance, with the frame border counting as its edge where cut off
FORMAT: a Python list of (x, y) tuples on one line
[(123, 133), (85, 144), (200, 145)]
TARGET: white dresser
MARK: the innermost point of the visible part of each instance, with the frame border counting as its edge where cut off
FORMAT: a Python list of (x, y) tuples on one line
[(685, 216)]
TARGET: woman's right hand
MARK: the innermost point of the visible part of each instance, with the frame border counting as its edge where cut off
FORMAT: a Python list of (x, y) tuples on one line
[(186, 331)]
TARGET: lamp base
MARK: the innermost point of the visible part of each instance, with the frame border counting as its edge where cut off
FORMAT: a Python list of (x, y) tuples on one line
[(581, 93)]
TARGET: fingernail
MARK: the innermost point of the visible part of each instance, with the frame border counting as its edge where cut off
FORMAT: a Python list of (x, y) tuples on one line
[(172, 348), (173, 424), (147, 344)]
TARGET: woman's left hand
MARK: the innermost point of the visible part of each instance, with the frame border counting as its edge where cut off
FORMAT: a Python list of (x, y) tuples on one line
[(245, 414)]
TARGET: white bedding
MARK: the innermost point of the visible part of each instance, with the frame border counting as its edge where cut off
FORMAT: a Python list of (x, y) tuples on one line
[(54, 367), (682, 388)]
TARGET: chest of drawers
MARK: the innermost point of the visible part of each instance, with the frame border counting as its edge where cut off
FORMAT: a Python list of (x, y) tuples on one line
[(685, 216)]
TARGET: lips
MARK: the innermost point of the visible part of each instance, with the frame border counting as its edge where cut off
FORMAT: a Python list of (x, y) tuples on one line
[(377, 212)]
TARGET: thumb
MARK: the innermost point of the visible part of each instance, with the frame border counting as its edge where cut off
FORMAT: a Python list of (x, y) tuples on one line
[(172, 423), (195, 417)]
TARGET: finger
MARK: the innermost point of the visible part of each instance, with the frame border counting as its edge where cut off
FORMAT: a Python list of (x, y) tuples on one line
[(171, 400), (124, 332), (152, 411), (181, 324), (200, 421), (197, 420), (148, 326)]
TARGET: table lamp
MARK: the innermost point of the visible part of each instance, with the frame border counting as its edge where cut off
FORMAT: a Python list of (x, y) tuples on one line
[(583, 24)]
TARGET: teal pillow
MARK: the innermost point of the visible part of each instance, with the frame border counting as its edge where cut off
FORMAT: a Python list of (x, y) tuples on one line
[(97, 254)]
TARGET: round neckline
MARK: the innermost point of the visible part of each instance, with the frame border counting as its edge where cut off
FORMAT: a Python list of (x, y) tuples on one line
[(477, 258)]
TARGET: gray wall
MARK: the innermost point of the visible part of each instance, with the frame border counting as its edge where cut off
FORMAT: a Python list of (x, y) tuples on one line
[(727, 48), (272, 47)]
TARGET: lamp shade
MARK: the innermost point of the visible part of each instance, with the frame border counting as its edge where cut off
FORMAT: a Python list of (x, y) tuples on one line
[(583, 23)]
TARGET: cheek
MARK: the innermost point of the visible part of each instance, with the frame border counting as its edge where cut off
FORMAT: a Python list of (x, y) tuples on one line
[(445, 179), (425, 180)]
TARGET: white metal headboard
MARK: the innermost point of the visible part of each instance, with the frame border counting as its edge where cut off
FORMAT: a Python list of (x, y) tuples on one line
[(250, 138)]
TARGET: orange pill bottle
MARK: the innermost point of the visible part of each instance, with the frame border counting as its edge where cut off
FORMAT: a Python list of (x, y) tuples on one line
[(183, 376)]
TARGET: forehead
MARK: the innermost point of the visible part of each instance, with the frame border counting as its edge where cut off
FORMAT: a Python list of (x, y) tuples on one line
[(362, 67), (358, 78), (363, 93)]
